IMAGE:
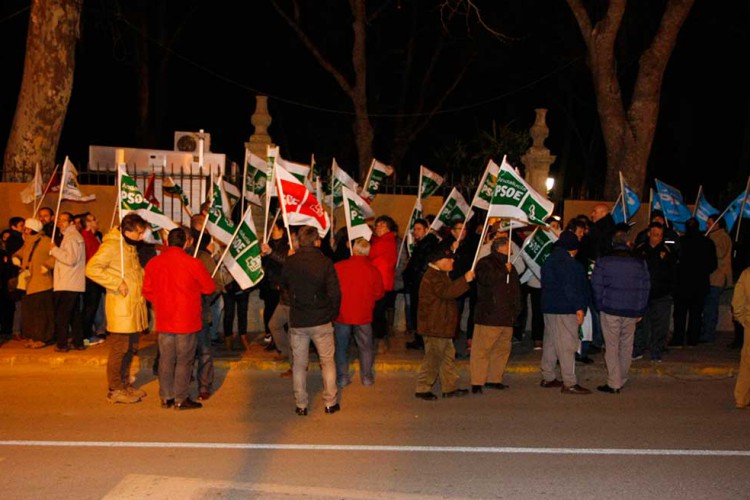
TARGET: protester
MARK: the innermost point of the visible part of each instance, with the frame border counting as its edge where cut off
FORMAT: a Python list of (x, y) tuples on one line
[(92, 295), (383, 254), (741, 314), (361, 287), (175, 283), (47, 217), (437, 319), (720, 279), (565, 297), (69, 283), (315, 297), (116, 267), (274, 254), (426, 242), (498, 305), (620, 283)]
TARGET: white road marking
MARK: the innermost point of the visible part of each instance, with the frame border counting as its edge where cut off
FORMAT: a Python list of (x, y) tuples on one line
[(387, 448), (139, 486)]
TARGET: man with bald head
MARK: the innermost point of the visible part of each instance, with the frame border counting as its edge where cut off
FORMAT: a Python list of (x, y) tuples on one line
[(602, 230)]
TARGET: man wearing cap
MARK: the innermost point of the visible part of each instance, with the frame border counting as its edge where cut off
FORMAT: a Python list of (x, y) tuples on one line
[(671, 238), (565, 297), (437, 318)]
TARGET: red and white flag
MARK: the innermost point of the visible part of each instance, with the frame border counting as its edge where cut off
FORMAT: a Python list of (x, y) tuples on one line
[(299, 205), (149, 193)]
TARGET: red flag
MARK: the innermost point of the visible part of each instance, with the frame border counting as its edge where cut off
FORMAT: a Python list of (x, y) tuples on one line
[(53, 184), (300, 206), (149, 193)]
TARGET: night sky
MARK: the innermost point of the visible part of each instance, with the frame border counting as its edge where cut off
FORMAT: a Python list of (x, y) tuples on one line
[(226, 52)]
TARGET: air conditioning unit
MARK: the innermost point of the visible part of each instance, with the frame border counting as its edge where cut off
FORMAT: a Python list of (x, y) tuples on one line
[(187, 142)]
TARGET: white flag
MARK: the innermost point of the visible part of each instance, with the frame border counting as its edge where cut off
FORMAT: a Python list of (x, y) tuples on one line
[(341, 178), (483, 196), (70, 190), (378, 172), (514, 199), (243, 260), (34, 189), (455, 208), (354, 207), (429, 182), (219, 225)]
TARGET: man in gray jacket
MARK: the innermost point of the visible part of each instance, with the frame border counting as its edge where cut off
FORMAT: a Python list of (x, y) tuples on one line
[(69, 283)]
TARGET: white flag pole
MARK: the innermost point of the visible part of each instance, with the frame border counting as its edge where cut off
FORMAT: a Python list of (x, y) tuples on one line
[(624, 200), (244, 183), (510, 249), (284, 215), (697, 199), (742, 211), (369, 176), (226, 250), (206, 216), (333, 204), (60, 196), (481, 239), (120, 153), (525, 244)]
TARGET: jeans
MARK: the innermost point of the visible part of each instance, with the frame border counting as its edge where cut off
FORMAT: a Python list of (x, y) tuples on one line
[(278, 325), (177, 354), (216, 309), (687, 312), (711, 313), (322, 337), (363, 337), (91, 299), (203, 353), (655, 324)]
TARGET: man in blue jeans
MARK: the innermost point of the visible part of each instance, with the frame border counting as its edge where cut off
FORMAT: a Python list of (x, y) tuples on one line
[(720, 279)]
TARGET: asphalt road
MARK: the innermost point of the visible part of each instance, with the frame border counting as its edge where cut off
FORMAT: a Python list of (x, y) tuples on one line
[(662, 437)]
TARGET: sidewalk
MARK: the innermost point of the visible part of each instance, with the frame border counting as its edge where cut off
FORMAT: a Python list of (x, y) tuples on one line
[(706, 360)]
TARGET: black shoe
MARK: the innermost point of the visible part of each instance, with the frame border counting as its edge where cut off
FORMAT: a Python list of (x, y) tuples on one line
[(606, 388), (62, 349), (427, 396), (476, 389), (456, 394), (584, 359), (188, 404), (333, 409), (496, 385), (302, 412), (551, 383), (414, 345), (735, 345), (594, 349), (167, 403)]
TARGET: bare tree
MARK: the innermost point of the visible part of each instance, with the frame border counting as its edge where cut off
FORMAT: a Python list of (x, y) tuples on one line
[(628, 127), (47, 83)]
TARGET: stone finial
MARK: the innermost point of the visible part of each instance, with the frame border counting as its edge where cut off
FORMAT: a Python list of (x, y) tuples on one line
[(538, 159), (261, 120)]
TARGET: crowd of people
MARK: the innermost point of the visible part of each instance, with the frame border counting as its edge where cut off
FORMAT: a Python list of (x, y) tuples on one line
[(602, 289)]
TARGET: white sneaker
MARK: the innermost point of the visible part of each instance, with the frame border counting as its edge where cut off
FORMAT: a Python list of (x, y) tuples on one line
[(93, 340), (122, 396)]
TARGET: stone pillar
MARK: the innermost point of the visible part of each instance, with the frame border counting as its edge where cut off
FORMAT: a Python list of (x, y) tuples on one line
[(537, 159), (261, 120)]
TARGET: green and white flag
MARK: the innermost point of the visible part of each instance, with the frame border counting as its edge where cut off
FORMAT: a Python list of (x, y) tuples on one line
[(243, 260), (219, 225), (454, 208), (255, 181), (536, 250), (415, 214), (132, 200), (512, 198), (483, 196), (232, 196), (171, 188), (315, 179), (355, 209), (429, 182), (341, 178), (378, 172), (298, 170)]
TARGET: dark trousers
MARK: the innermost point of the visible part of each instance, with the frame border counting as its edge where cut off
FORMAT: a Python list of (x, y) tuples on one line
[(177, 354), (270, 301), (537, 318), (68, 314), (414, 293), (91, 299), (687, 312), (379, 322), (7, 311), (203, 352), (238, 302), (122, 348)]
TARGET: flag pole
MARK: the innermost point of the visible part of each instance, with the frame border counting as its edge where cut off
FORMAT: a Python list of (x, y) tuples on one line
[(37, 173), (510, 249), (226, 249), (46, 189), (369, 176), (205, 220), (742, 211), (624, 201), (333, 204), (697, 199), (269, 174), (525, 244), (60, 196), (481, 239), (119, 210), (244, 183)]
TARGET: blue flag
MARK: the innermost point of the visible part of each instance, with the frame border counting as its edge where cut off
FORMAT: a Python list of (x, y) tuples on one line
[(702, 210), (678, 226), (671, 203), (732, 213), (632, 204)]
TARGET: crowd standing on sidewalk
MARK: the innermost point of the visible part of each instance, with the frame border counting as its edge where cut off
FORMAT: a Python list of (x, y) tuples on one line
[(601, 289)]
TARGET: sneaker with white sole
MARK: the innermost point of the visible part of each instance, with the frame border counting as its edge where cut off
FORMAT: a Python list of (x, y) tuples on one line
[(140, 393), (93, 340)]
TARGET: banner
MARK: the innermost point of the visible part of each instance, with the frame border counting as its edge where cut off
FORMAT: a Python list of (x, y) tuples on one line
[(732, 212), (298, 170), (69, 184), (149, 193), (378, 172), (429, 182), (354, 207), (483, 196), (299, 206), (703, 210), (341, 178), (171, 188), (632, 203), (34, 189), (671, 202), (243, 261), (514, 199), (255, 182), (132, 200), (219, 225), (415, 214), (231, 196), (454, 208), (536, 249)]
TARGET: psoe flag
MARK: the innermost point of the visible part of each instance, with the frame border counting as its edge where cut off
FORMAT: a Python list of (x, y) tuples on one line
[(243, 261), (340, 178), (378, 172), (132, 200), (536, 249), (514, 199), (455, 208), (299, 205), (429, 182), (483, 196), (356, 224)]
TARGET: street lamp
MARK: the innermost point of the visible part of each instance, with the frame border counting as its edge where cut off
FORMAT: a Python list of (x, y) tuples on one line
[(549, 183)]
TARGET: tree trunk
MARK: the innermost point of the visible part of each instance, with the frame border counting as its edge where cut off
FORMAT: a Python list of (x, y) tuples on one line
[(363, 131), (628, 131), (46, 86)]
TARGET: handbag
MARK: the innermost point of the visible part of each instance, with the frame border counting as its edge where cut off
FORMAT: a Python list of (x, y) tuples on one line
[(24, 276)]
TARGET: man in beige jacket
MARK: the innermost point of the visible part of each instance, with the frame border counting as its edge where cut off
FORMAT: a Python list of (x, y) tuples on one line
[(741, 313), (720, 279), (115, 267), (69, 283)]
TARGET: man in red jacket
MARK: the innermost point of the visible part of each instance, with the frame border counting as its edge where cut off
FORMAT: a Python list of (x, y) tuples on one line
[(383, 255), (173, 283), (361, 286)]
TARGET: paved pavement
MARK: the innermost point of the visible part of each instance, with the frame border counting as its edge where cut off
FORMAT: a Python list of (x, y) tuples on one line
[(705, 360)]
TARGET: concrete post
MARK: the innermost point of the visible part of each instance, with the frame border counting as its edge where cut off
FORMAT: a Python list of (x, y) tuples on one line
[(261, 120), (538, 159)]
